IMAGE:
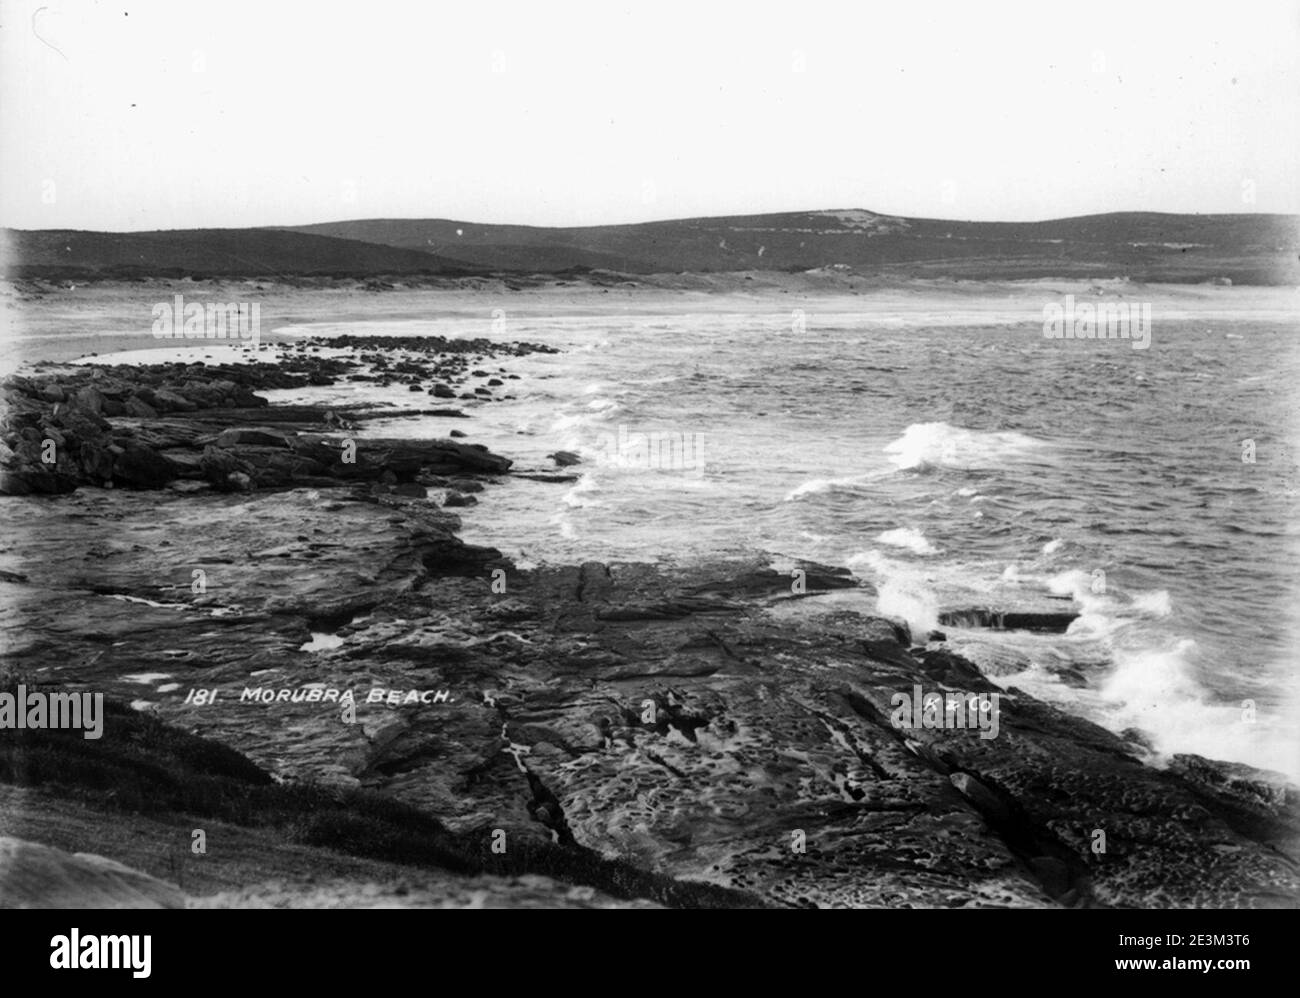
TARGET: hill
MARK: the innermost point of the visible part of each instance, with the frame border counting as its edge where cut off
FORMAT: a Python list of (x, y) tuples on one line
[(1143, 246), (70, 253), (1244, 248)]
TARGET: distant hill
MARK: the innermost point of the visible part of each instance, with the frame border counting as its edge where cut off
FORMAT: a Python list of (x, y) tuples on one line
[(1250, 249), (206, 253), (1144, 246)]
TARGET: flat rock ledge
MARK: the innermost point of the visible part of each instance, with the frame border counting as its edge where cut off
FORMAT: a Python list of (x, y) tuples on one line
[(699, 736)]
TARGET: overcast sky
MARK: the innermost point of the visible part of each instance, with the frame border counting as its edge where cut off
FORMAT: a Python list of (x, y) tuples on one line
[(182, 114)]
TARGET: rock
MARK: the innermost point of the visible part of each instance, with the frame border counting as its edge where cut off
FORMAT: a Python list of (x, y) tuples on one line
[(217, 466), (89, 400), (1262, 801), (736, 708), (169, 401), (1051, 621), (442, 391), (96, 461), (459, 499), (737, 712), (35, 481), (564, 458), (142, 467), (981, 796), (138, 407), (1053, 873), (39, 876), (255, 435)]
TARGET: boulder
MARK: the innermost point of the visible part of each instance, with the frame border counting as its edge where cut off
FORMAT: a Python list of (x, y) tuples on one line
[(96, 462), (169, 401), (89, 400), (142, 467), (138, 407)]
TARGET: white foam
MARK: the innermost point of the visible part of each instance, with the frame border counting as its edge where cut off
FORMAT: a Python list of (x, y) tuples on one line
[(941, 445), (1144, 680), (581, 494), (1155, 691), (816, 486), (1075, 582), (907, 537), (809, 488), (1155, 603), (900, 592)]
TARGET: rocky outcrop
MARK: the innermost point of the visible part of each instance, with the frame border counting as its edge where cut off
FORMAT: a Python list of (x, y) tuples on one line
[(721, 734), (1052, 619), (708, 725), (145, 427)]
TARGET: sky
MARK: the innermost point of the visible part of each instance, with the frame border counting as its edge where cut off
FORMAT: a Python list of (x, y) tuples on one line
[(130, 116)]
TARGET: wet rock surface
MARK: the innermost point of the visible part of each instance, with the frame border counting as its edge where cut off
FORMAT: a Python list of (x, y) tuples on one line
[(693, 724), (724, 725), (145, 427)]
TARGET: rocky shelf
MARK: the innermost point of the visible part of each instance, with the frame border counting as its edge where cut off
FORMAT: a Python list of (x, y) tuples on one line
[(690, 737)]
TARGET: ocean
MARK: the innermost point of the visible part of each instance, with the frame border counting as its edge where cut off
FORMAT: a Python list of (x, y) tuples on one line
[(951, 459)]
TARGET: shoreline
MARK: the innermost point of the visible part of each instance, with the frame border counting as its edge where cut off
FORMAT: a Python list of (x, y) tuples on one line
[(36, 318), (626, 710)]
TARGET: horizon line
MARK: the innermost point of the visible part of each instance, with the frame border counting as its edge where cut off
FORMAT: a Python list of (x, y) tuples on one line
[(684, 218)]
